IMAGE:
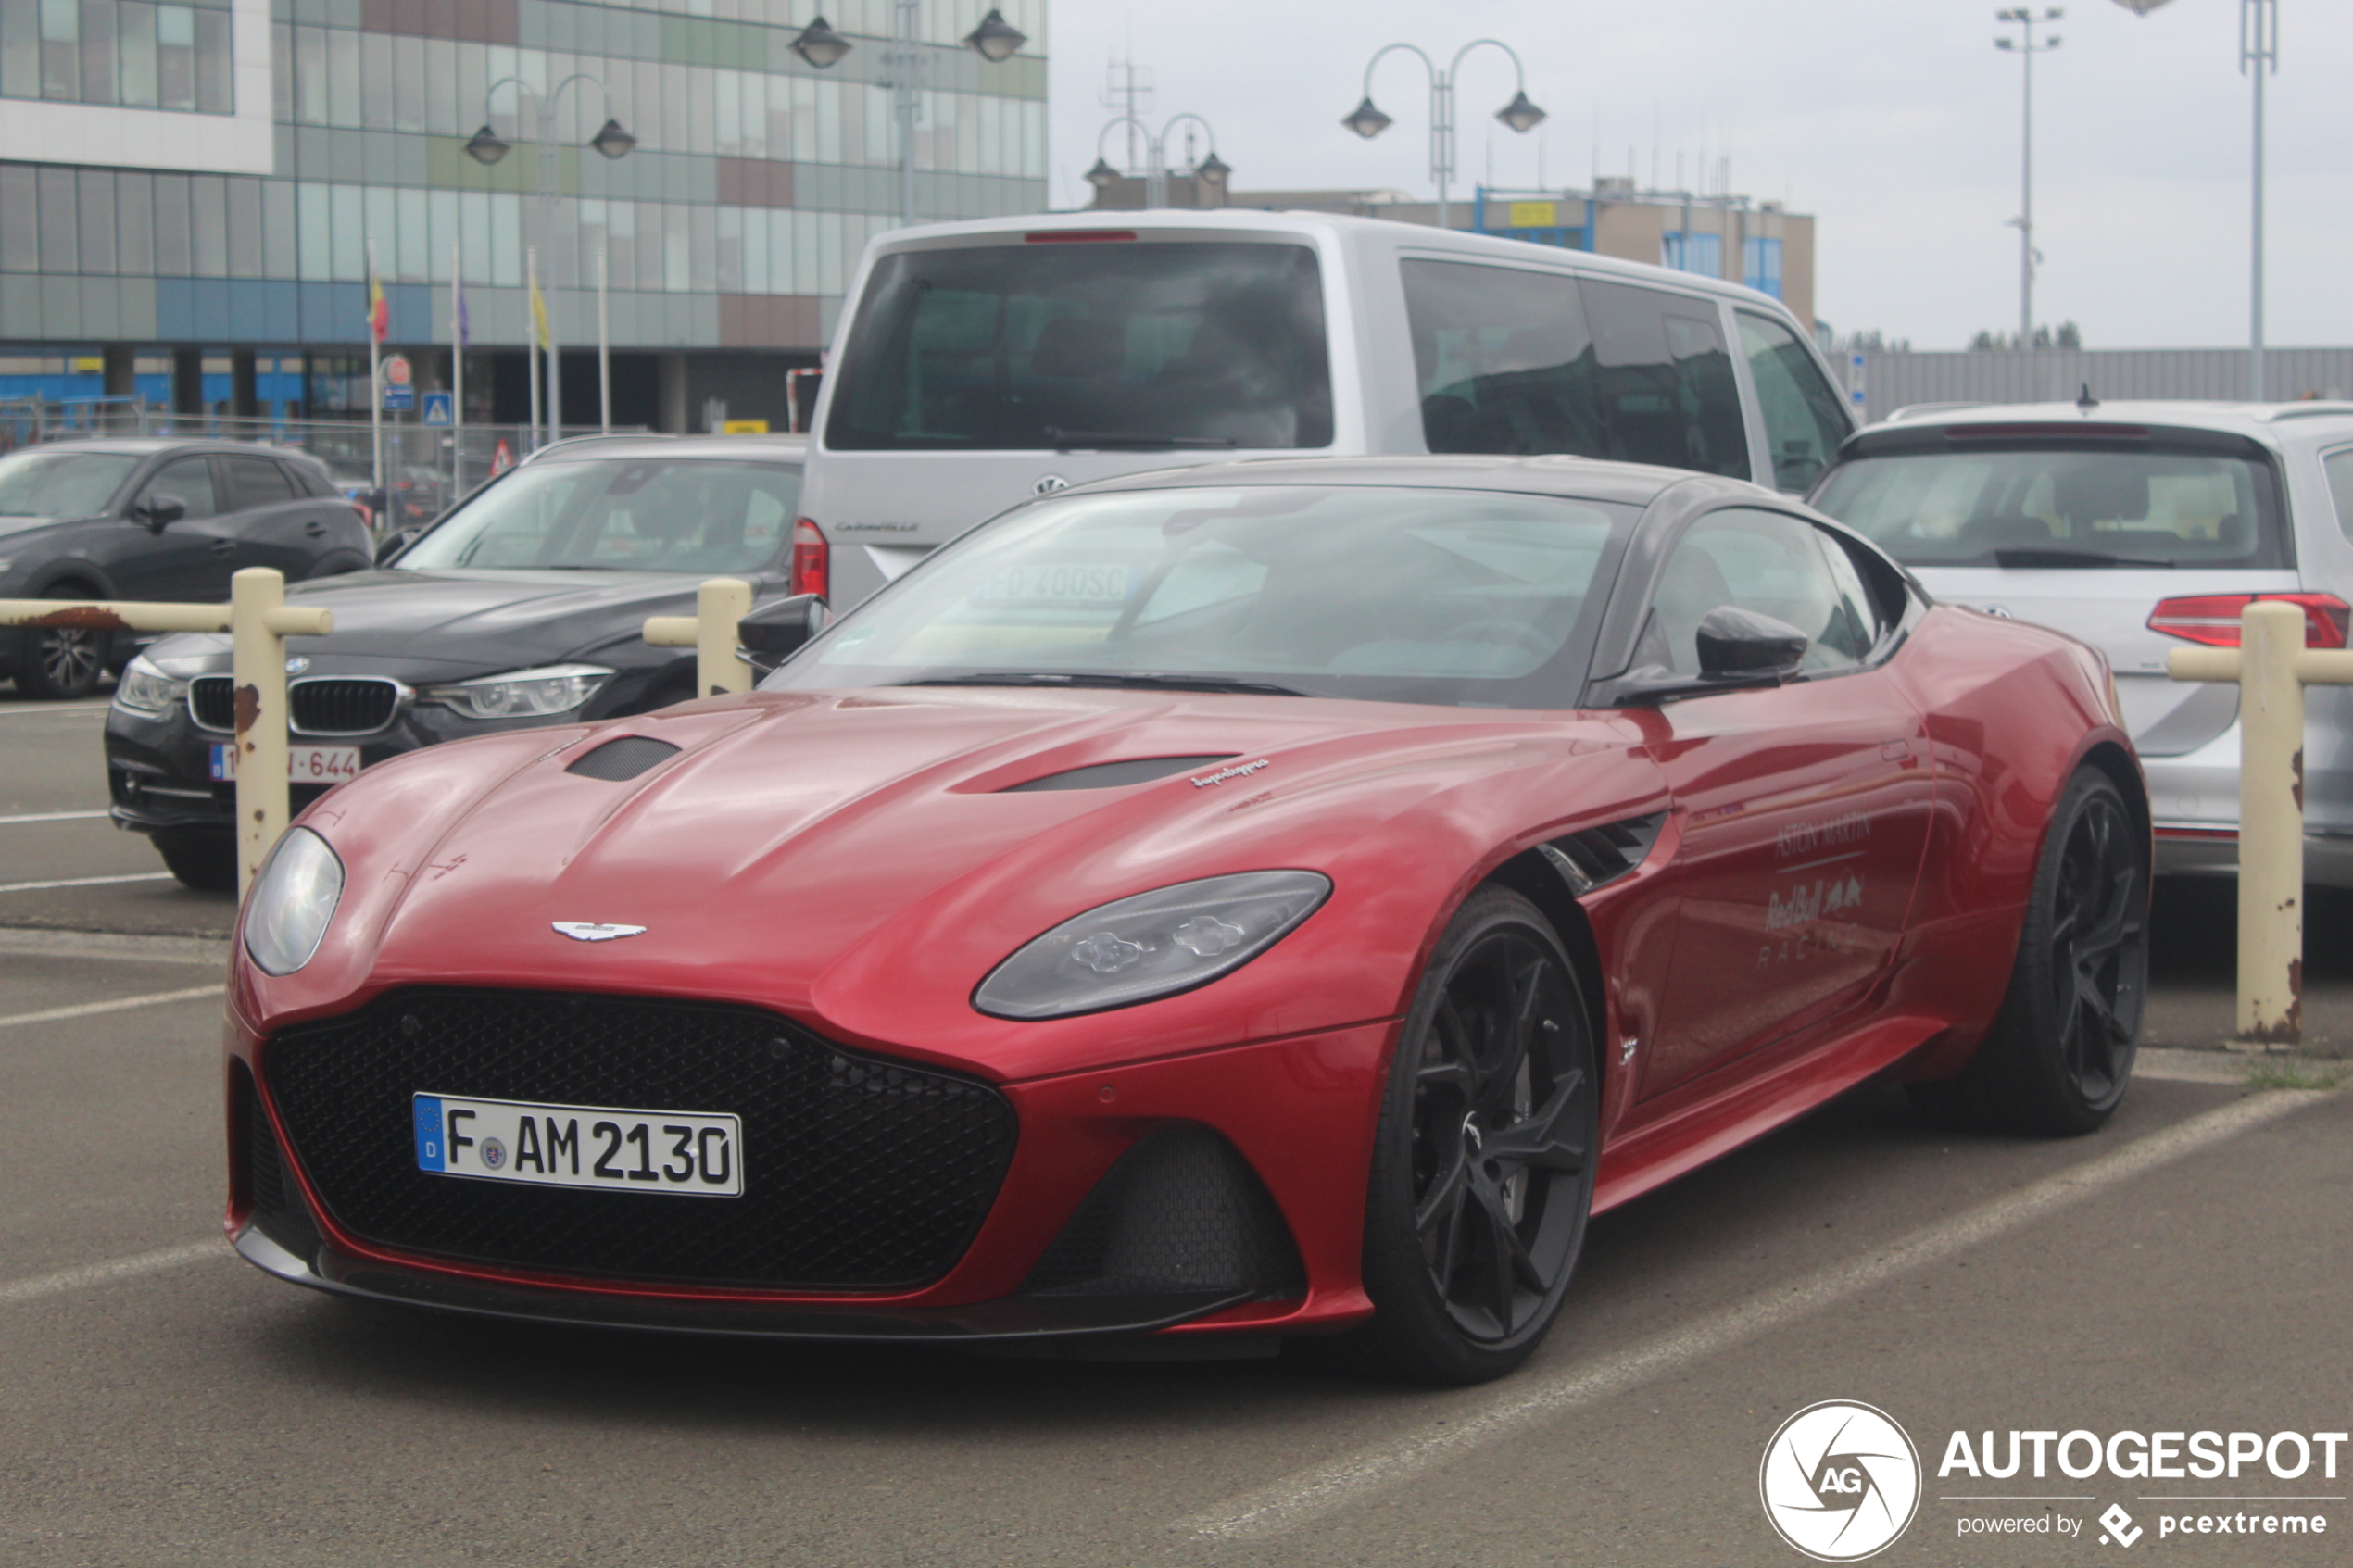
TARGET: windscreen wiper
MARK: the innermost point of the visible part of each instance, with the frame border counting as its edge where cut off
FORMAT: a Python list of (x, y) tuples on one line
[(1132, 439), (1089, 678), (2032, 557)]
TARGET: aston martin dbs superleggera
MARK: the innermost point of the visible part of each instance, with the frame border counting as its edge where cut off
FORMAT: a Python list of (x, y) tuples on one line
[(1276, 899)]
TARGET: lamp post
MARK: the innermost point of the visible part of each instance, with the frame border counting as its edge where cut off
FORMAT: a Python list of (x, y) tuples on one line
[(1519, 114), (995, 39), (487, 147), (1212, 169), (2026, 48), (2258, 57)]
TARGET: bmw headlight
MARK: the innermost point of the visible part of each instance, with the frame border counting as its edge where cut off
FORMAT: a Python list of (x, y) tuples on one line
[(292, 901), (525, 694), (1153, 945), (145, 690)]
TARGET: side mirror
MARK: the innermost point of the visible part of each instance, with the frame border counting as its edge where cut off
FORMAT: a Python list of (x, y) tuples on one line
[(1741, 645), (774, 633), (159, 510), (392, 544)]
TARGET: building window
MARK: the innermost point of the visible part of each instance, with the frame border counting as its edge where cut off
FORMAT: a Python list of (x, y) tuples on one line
[(1687, 251), (1761, 266), (124, 52)]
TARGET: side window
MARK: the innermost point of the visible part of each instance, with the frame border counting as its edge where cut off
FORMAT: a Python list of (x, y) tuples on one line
[(1804, 422), (1664, 380), (256, 481), (187, 480), (1772, 564), (2340, 471)]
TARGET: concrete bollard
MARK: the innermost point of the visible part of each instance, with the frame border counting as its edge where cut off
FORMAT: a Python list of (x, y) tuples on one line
[(711, 631), (2271, 665)]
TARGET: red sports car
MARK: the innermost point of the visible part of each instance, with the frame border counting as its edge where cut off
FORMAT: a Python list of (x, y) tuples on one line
[(1281, 900)]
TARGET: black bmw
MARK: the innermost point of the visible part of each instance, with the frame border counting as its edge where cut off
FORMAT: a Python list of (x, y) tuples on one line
[(525, 606)]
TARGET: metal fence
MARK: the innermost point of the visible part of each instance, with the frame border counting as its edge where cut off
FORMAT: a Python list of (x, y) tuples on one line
[(1893, 381)]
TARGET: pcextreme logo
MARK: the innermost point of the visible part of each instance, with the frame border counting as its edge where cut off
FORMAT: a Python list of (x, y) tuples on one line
[(1840, 1481)]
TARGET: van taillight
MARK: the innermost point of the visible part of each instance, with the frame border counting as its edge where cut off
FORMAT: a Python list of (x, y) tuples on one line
[(811, 560), (2213, 619)]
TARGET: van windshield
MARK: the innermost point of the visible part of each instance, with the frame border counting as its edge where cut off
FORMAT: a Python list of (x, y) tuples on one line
[(2054, 506), (1113, 344)]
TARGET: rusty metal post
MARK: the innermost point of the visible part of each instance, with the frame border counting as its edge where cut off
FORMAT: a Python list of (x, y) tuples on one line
[(711, 631), (259, 622), (2271, 665)]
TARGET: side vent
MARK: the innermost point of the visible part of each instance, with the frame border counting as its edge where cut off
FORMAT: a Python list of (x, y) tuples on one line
[(623, 759), (1112, 775), (1596, 857)]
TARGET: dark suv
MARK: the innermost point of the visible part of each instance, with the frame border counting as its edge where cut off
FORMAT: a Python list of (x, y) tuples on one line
[(154, 520)]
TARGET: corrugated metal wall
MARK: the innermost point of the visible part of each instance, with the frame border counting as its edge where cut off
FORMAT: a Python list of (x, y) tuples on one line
[(1898, 381)]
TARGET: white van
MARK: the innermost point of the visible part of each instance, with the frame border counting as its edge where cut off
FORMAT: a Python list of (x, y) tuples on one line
[(979, 364)]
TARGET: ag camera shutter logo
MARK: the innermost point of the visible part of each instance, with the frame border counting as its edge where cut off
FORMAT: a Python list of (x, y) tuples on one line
[(1841, 1481)]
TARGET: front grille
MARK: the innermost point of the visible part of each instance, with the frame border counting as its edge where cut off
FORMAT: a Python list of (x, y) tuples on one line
[(277, 1206), (1182, 1211), (859, 1172), (323, 705)]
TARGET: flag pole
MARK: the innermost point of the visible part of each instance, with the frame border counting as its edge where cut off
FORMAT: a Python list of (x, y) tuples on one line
[(604, 339), (375, 383), (555, 378), (531, 339), (457, 376)]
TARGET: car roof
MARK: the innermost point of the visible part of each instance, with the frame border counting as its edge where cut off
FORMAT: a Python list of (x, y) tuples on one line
[(2267, 421), (770, 448), (145, 445), (1582, 479)]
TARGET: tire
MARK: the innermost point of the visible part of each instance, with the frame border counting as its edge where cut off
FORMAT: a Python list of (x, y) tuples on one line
[(1489, 1130), (202, 863), (2060, 1052), (61, 664)]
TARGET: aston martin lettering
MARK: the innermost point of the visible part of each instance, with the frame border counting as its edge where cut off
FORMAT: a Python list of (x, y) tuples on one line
[(1240, 770), (1804, 838)]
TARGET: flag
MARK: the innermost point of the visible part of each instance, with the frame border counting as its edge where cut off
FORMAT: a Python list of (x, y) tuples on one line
[(465, 320), (378, 308), (539, 313)]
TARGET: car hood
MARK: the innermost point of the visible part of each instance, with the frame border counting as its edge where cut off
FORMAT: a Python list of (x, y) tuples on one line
[(443, 625), (14, 525), (861, 860)]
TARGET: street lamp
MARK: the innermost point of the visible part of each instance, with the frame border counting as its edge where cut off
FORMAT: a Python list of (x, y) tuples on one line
[(2026, 48), (1211, 171), (1519, 114), (2258, 57), (995, 39)]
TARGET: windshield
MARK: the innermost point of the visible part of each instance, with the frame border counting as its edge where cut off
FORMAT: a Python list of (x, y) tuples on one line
[(60, 484), (2039, 505), (1105, 345), (633, 514), (1403, 595)]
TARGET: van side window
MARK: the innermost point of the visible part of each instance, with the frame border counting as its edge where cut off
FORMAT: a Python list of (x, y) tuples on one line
[(1521, 362), (1803, 421), (2340, 471)]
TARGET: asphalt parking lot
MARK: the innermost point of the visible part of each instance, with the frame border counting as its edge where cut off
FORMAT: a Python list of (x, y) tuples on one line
[(2182, 1269)]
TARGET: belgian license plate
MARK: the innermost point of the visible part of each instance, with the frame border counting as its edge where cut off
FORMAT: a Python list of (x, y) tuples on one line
[(580, 1146), (305, 764)]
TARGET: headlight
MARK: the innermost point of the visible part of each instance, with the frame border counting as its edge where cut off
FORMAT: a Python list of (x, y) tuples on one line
[(145, 690), (1151, 944), (526, 694), (292, 901)]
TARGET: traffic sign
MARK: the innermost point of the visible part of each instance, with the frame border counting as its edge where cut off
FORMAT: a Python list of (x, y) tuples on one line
[(438, 409), (399, 399), (397, 370)]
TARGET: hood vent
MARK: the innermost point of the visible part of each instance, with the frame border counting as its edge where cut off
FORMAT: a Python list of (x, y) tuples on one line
[(623, 759), (1595, 856), (1112, 775)]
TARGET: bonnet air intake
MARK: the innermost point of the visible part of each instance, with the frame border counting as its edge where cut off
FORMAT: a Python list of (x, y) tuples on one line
[(625, 759), (1112, 775)]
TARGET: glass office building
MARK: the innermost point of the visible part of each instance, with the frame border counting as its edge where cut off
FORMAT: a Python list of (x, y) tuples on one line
[(189, 192)]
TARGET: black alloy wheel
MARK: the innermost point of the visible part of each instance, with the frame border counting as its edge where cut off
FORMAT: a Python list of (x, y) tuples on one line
[(61, 663), (2059, 1056), (1484, 1172)]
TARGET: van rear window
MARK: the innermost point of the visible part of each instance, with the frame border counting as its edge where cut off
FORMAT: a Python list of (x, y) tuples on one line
[(1135, 346)]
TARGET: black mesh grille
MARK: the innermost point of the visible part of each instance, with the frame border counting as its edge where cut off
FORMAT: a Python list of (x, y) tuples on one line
[(212, 701), (278, 1207), (1182, 1211), (859, 1174), (334, 707), (623, 758)]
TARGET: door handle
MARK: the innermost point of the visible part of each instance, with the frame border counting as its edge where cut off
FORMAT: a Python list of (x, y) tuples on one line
[(222, 547), (314, 528)]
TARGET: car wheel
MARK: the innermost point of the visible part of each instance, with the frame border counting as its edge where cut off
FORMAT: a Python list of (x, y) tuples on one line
[(2060, 1052), (204, 862), (61, 663), (1482, 1173)]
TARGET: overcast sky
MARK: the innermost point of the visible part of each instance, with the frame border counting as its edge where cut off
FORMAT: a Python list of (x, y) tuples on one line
[(1895, 122)]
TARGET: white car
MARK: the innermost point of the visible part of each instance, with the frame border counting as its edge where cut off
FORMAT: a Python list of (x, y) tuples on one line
[(2140, 527)]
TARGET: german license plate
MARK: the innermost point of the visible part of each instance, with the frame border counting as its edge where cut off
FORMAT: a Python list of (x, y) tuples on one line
[(580, 1146), (305, 764)]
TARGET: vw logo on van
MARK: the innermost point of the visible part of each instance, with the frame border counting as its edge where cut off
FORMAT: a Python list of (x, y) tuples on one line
[(1049, 484)]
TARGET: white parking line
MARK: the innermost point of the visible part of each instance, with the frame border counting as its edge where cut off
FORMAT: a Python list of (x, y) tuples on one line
[(84, 881), (1472, 1424), (51, 817), (153, 999), (10, 709), (106, 1273)]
